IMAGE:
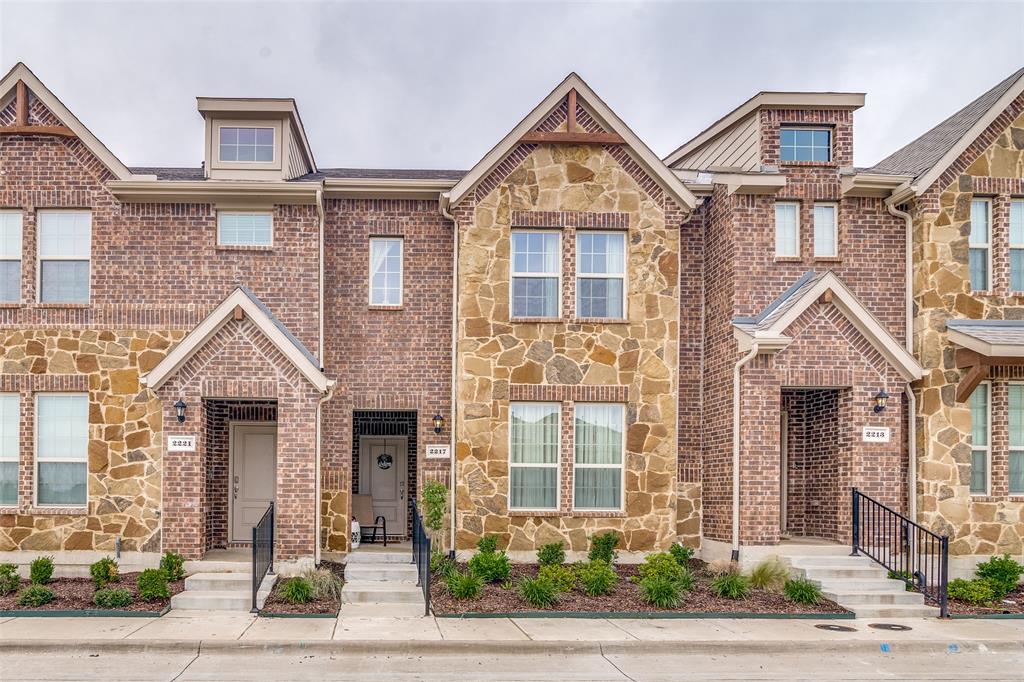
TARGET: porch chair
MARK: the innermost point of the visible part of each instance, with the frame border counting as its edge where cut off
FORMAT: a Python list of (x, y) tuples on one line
[(362, 511)]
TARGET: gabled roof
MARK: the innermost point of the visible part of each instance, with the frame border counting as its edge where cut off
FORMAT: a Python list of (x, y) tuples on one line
[(768, 328), (600, 111), (20, 72), (263, 318), (933, 152), (991, 338)]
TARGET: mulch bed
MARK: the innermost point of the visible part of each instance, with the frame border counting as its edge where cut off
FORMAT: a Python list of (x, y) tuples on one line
[(961, 608), (626, 597), (277, 604), (75, 594)]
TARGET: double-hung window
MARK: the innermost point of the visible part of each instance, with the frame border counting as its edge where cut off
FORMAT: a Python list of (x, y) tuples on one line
[(826, 231), (787, 228), (65, 246), (245, 229), (386, 271), (980, 433), (10, 256), (601, 274), (1016, 455), (62, 441), (536, 273), (9, 424), (1017, 245), (247, 144), (598, 470), (979, 244), (534, 455), (805, 144)]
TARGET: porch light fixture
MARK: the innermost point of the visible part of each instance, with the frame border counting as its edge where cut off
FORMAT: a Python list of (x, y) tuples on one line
[(179, 409), (881, 398), (438, 423)]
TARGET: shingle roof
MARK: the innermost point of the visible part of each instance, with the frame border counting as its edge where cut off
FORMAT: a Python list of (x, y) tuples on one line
[(996, 332), (381, 174), (922, 154), (180, 174)]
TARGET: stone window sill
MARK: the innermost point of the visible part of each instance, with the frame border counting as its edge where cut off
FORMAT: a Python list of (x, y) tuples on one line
[(11, 305), (536, 320), (240, 247), (600, 320), (827, 259), (789, 259), (597, 514), (68, 306), (538, 513), (809, 164), (56, 511), (386, 308), (9, 510)]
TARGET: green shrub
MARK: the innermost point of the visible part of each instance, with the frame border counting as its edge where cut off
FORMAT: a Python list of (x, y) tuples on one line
[(551, 554), (326, 583), (173, 566), (769, 575), (112, 598), (733, 585), (562, 577), (488, 544), (661, 565), (681, 554), (434, 498), (539, 592), (1003, 572), (440, 564), (602, 547), (491, 567), (802, 591), (40, 570), (103, 572), (464, 585), (297, 590), (596, 577), (980, 591), (35, 595), (661, 591), (152, 584), (9, 579)]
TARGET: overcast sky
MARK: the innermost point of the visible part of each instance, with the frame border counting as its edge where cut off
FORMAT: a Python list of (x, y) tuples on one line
[(435, 85)]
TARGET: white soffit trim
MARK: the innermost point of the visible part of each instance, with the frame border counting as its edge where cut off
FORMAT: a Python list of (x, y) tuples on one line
[(213, 323), (991, 350), (603, 115)]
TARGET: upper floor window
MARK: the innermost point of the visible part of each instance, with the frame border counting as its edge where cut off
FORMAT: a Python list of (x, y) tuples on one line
[(65, 244), (534, 455), (805, 144), (979, 244), (980, 420), (597, 474), (826, 232), (1016, 410), (787, 228), (245, 229), (1017, 245), (601, 274), (10, 256), (247, 144), (10, 423), (62, 440), (386, 271), (536, 273)]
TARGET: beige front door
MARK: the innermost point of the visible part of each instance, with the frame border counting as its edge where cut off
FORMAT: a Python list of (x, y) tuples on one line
[(253, 476), (382, 475)]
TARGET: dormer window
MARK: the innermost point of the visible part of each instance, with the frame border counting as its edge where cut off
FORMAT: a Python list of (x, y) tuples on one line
[(805, 144), (247, 144)]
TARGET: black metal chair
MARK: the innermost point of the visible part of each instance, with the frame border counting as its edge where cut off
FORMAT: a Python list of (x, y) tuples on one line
[(362, 511)]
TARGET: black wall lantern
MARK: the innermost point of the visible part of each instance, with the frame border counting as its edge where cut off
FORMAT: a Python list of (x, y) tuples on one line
[(179, 409), (438, 423), (881, 398)]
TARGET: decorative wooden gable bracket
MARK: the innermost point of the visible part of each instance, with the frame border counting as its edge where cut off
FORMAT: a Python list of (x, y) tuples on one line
[(21, 125), (978, 367), (572, 134)]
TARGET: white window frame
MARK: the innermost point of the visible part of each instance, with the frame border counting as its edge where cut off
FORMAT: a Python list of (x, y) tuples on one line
[(236, 126), (987, 246), (987, 448), (221, 242), (622, 462), (37, 461), (40, 260), (1010, 447), (775, 216), (592, 275), (813, 129), (557, 466), (835, 228), (16, 458), (1014, 246), (401, 271), (8, 257), (512, 274)]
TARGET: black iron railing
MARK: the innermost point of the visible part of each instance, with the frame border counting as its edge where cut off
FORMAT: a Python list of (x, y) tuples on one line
[(262, 551), (909, 551), (421, 556)]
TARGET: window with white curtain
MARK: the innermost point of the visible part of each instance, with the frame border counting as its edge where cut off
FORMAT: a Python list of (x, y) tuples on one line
[(979, 244), (601, 274), (534, 455), (536, 273), (62, 440), (826, 231), (980, 429), (65, 247), (245, 229), (386, 271), (787, 228), (10, 256), (598, 471), (10, 421), (1016, 409), (246, 144), (1017, 245)]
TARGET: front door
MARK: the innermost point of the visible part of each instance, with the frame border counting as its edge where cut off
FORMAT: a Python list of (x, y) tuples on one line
[(383, 476), (253, 476)]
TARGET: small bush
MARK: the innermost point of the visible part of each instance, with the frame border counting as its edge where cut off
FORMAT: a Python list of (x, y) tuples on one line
[(152, 584), (173, 566), (551, 554), (602, 547), (661, 591), (326, 583), (802, 591), (488, 544), (112, 598), (9, 579), (596, 578), (491, 567), (769, 575), (1003, 572), (297, 590), (103, 572), (434, 498), (440, 564), (35, 595), (731, 585), (562, 577), (464, 585), (40, 570), (661, 565), (981, 592), (539, 592), (681, 554)]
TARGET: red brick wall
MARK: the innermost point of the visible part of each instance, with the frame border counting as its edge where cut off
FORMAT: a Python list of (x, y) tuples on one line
[(815, 462)]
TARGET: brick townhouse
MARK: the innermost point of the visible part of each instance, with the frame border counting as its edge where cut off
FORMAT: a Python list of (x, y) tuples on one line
[(574, 335)]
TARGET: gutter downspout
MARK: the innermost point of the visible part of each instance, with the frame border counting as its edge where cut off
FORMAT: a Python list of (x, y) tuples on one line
[(319, 405), (736, 449), (443, 199), (330, 391), (320, 214)]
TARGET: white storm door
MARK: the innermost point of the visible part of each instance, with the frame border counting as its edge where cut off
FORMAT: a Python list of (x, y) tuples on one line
[(387, 479), (253, 477)]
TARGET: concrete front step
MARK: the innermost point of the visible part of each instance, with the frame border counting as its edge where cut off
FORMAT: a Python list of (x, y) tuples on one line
[(873, 585), (831, 560), (401, 573), (851, 598), (213, 600), (379, 557), (219, 582), (375, 592), (840, 573)]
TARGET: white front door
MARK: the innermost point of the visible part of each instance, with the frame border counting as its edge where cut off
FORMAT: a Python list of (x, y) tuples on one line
[(253, 476), (383, 476)]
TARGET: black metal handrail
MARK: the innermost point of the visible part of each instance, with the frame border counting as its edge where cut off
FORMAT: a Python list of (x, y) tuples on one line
[(908, 550), (262, 552), (421, 556)]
